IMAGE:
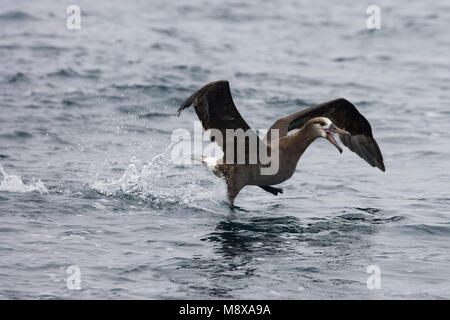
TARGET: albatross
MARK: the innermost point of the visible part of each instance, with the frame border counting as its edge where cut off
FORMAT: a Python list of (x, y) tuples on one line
[(215, 108)]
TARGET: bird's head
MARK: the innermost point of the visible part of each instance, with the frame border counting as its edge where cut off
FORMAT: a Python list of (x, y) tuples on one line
[(322, 127)]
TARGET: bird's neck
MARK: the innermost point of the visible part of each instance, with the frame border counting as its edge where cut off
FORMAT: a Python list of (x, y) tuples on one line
[(297, 143)]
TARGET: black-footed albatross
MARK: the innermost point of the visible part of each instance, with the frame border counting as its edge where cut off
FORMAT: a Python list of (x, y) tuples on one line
[(216, 110)]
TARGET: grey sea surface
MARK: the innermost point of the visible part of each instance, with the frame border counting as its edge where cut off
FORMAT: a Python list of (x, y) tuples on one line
[(86, 177)]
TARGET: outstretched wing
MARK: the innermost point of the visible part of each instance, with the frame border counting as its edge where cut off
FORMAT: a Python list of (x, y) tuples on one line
[(216, 110), (344, 115)]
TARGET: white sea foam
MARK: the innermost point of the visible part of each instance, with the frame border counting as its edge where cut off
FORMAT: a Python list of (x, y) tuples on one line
[(13, 183)]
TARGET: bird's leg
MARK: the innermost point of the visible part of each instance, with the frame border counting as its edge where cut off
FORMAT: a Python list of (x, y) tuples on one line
[(231, 196), (231, 204), (232, 192)]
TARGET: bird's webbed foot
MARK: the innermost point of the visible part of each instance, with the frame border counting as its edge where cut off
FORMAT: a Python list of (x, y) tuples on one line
[(272, 190)]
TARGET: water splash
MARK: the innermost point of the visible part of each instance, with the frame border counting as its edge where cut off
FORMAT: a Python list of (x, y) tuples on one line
[(134, 181), (13, 183), (153, 182)]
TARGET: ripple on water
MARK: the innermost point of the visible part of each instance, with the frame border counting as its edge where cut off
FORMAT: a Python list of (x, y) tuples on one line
[(142, 112), (17, 16), (437, 230), (323, 232), (17, 78), (71, 73)]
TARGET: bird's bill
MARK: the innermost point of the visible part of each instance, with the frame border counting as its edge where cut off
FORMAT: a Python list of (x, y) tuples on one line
[(333, 141), (330, 137)]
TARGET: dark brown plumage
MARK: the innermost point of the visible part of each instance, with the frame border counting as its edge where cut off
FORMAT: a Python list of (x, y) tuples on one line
[(216, 110)]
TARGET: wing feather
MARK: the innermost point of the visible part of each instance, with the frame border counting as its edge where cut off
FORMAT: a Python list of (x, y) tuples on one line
[(344, 115), (215, 108)]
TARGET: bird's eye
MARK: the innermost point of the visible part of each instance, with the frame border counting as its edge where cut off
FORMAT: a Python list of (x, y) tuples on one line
[(322, 123)]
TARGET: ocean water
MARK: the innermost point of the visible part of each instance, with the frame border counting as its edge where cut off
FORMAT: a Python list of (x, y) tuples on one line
[(86, 177)]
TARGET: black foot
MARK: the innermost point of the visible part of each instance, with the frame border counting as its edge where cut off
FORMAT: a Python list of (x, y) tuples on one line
[(272, 190)]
